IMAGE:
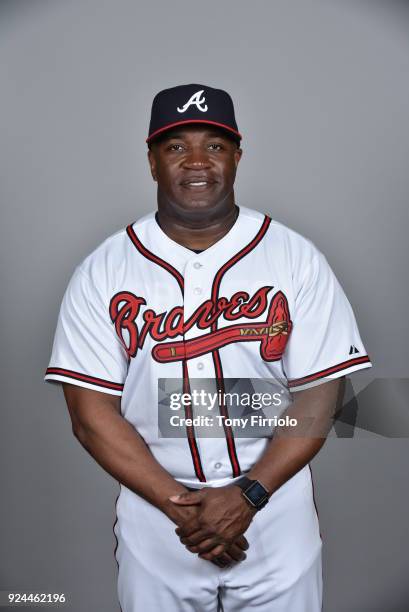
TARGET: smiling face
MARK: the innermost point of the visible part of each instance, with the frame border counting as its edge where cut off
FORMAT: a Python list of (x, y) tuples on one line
[(195, 168)]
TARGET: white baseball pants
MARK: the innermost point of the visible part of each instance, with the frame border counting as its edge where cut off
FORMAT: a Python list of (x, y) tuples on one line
[(282, 571)]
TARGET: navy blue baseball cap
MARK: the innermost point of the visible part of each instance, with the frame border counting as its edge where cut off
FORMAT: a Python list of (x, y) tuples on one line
[(186, 104)]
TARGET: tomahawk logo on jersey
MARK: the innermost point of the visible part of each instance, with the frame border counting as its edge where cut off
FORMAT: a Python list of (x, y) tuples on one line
[(262, 302)]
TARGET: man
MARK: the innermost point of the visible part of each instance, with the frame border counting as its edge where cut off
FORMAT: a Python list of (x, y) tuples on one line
[(205, 290)]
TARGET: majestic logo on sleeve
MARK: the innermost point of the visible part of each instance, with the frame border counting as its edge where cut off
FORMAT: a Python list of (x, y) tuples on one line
[(195, 100), (272, 333)]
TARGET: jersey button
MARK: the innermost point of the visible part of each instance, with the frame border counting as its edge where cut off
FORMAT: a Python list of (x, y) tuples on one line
[(200, 365), (217, 466), (197, 265), (197, 291)]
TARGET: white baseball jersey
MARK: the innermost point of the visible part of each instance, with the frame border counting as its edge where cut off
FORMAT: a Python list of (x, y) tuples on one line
[(261, 303)]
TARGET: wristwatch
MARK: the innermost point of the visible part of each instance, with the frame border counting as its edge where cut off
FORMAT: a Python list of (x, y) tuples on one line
[(253, 491)]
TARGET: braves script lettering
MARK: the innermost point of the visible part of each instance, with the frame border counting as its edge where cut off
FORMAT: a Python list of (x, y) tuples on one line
[(272, 333)]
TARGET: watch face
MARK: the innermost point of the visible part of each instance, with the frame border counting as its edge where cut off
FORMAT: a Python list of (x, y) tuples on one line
[(255, 493)]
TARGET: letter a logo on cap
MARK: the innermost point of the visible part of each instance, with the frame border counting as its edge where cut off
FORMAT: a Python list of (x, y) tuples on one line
[(197, 101)]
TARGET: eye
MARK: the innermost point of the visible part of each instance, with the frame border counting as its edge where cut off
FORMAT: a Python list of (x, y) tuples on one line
[(175, 147), (215, 147)]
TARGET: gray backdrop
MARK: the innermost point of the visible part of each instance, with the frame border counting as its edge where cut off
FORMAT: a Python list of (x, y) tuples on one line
[(321, 93)]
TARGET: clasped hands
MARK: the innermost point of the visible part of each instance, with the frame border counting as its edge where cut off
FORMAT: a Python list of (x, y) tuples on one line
[(211, 523)]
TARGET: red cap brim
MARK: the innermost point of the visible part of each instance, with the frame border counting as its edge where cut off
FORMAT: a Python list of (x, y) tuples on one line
[(205, 121)]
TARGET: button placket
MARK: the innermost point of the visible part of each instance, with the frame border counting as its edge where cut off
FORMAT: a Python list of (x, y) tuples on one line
[(195, 294)]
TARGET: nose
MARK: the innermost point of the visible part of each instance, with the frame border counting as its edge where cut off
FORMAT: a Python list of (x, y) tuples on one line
[(196, 157)]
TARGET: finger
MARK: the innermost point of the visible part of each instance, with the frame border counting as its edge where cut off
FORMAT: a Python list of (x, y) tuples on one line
[(216, 552), (195, 538), (242, 542), (224, 560), (236, 553), (190, 498), (188, 530), (204, 546), (221, 561)]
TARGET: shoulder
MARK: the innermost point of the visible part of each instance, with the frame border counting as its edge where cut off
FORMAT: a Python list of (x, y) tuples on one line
[(107, 259), (283, 241), (108, 264)]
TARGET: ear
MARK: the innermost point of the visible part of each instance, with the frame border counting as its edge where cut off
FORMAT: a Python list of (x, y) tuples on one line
[(237, 156), (152, 163)]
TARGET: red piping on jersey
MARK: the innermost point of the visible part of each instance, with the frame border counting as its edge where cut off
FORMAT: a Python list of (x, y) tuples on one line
[(152, 257), (194, 451), (205, 121), (337, 368), (89, 379), (190, 429), (216, 356)]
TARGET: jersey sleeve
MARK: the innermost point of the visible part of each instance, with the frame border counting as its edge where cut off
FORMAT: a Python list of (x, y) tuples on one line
[(86, 350), (324, 342)]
